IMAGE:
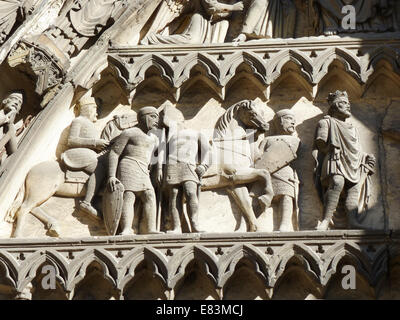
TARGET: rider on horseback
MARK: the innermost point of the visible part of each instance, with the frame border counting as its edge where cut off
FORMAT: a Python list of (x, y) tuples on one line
[(85, 152)]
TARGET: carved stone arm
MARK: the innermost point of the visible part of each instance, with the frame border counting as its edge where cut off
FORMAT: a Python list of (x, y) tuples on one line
[(204, 151), (115, 152), (321, 136)]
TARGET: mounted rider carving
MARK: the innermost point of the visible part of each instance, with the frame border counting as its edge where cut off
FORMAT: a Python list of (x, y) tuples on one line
[(85, 153)]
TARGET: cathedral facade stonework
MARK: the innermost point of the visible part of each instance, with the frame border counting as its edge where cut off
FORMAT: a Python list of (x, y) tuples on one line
[(175, 149)]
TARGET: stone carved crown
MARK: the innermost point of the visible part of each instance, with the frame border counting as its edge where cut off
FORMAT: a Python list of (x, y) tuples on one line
[(337, 95)]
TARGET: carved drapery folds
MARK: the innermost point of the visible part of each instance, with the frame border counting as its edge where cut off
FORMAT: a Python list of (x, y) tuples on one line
[(204, 21), (147, 171)]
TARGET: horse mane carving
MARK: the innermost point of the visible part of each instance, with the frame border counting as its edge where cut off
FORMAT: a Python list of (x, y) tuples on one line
[(223, 122)]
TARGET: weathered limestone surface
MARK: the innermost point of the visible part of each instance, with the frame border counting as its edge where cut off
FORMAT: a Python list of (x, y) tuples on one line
[(165, 149)]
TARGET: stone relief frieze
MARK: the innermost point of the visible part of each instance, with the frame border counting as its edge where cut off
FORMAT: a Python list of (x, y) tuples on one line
[(102, 161), (180, 22)]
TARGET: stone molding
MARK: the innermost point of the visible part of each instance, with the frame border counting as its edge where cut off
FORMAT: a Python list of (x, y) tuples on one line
[(218, 255), (266, 60)]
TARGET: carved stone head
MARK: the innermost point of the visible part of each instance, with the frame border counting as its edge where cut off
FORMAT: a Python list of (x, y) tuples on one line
[(148, 118), (339, 105), (13, 102), (285, 122), (88, 108)]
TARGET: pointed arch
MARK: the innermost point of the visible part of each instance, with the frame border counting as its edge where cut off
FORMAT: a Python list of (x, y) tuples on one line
[(10, 267), (387, 53), (292, 74), (208, 83), (350, 61), (180, 260), (230, 259), (338, 79), (255, 62), (152, 257), (79, 266), (309, 259), (333, 256), (277, 62), (207, 62)]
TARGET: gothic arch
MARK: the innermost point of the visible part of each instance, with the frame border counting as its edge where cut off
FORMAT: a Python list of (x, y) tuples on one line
[(333, 256), (181, 258), (230, 259), (349, 60), (80, 264), (278, 61), (229, 69), (304, 254), (152, 257)]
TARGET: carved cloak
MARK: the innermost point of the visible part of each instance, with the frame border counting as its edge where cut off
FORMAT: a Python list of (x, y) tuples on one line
[(270, 19), (346, 160), (92, 17)]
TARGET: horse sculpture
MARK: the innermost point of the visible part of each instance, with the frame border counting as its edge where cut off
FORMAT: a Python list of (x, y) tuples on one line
[(233, 163), (232, 167), (48, 179)]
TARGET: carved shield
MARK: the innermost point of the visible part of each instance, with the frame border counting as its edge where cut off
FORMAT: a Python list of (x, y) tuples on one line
[(112, 208), (279, 152)]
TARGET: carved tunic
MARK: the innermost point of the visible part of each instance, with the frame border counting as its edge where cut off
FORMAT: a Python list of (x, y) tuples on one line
[(270, 19), (92, 17), (347, 157), (182, 157), (82, 139), (133, 168)]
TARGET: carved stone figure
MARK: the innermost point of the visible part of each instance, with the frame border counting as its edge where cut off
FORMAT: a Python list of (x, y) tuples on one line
[(279, 152), (129, 161), (84, 153), (11, 12), (341, 165), (373, 15), (84, 20), (8, 134), (268, 19), (233, 161), (187, 161), (207, 24)]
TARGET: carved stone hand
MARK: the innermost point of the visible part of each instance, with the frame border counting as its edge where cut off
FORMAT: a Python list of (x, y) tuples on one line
[(112, 183), (200, 170), (371, 160), (101, 144)]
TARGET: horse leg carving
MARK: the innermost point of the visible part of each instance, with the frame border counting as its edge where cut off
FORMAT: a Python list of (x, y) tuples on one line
[(243, 200), (244, 176), (41, 183), (49, 222)]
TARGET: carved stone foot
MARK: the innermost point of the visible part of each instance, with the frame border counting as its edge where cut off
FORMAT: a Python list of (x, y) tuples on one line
[(53, 229), (154, 232), (252, 228), (127, 232), (196, 229), (174, 231), (285, 228), (89, 210), (324, 225), (240, 38)]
